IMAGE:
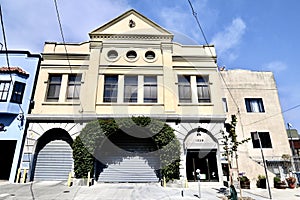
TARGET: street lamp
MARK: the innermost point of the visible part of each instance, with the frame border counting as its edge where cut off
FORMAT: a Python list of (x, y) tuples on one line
[(256, 137)]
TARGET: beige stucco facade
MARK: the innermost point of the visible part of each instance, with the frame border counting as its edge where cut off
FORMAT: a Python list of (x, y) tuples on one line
[(130, 32), (245, 85)]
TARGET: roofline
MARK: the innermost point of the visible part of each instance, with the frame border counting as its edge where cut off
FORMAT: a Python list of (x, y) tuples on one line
[(125, 14)]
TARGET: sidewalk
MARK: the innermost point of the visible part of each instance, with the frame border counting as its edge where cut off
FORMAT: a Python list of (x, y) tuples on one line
[(53, 190)]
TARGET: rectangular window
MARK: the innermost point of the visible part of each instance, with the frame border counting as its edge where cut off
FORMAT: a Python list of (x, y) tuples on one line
[(254, 105), (4, 90), (264, 138), (110, 88), (150, 89), (74, 83), (18, 92), (224, 101), (203, 89), (130, 88), (184, 89), (54, 85)]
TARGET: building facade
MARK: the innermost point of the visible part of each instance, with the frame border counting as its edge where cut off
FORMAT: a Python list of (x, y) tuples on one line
[(253, 98), (17, 82), (130, 67)]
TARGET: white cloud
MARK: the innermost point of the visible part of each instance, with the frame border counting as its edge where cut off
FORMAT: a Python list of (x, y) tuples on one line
[(174, 18), (228, 39), (275, 66), (180, 18)]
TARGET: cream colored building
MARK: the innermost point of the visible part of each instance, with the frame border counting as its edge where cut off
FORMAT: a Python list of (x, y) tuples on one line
[(129, 67), (253, 98)]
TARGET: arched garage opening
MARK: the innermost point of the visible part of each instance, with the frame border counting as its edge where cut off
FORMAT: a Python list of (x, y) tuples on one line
[(202, 152), (53, 156), (126, 158)]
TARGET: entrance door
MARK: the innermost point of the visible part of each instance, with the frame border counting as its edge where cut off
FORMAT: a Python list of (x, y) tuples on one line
[(206, 161), (7, 151)]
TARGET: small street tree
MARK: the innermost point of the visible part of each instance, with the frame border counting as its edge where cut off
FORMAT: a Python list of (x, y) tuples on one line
[(231, 145)]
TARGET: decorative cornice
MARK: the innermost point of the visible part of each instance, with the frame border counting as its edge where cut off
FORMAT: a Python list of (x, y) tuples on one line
[(88, 117), (131, 37)]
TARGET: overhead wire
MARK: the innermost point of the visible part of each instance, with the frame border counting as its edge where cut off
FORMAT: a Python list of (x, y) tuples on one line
[(206, 41), (289, 109), (65, 47), (6, 54), (224, 81)]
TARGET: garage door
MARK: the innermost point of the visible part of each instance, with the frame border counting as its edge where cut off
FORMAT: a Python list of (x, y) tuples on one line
[(128, 159), (54, 161)]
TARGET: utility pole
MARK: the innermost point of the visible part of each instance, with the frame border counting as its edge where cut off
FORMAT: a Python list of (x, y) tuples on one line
[(289, 125), (263, 158)]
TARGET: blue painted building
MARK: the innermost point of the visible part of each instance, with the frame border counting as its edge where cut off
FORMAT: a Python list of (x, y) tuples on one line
[(18, 72)]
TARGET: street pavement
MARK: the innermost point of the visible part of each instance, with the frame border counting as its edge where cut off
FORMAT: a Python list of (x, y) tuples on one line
[(52, 190)]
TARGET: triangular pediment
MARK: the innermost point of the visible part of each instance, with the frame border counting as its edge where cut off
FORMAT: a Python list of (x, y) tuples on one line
[(130, 23)]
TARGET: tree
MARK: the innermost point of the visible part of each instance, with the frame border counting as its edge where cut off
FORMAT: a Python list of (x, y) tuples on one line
[(231, 145)]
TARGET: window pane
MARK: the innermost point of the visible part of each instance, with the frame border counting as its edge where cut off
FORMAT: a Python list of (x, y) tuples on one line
[(130, 88), (254, 105), (4, 90), (225, 104), (110, 88), (150, 89), (203, 89), (18, 91), (184, 89), (54, 87), (74, 84), (264, 138)]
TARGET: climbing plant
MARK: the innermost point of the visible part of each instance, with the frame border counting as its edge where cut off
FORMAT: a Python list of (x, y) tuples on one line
[(83, 159), (231, 143), (94, 133)]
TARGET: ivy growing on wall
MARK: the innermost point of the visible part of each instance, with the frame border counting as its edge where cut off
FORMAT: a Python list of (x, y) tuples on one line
[(94, 133)]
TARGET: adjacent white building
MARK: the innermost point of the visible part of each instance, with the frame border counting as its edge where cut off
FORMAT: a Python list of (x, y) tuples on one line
[(253, 97)]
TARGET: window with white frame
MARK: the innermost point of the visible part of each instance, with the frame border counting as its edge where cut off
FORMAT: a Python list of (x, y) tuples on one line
[(110, 88), (150, 89), (4, 90), (264, 138), (130, 88), (184, 89), (74, 83), (254, 105), (54, 85), (203, 89), (18, 92)]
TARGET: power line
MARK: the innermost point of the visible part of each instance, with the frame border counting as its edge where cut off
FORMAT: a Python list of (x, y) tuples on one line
[(6, 53), (203, 34), (199, 25), (289, 109), (64, 43)]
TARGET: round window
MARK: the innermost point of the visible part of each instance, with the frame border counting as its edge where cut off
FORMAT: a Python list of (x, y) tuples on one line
[(131, 55), (150, 55), (112, 54)]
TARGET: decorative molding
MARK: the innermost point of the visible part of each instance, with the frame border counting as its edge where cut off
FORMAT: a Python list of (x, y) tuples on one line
[(100, 37)]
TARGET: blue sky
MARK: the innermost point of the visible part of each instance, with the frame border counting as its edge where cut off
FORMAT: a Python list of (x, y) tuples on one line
[(259, 35)]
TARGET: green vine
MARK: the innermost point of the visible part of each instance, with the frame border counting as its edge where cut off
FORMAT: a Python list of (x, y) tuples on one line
[(94, 133)]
